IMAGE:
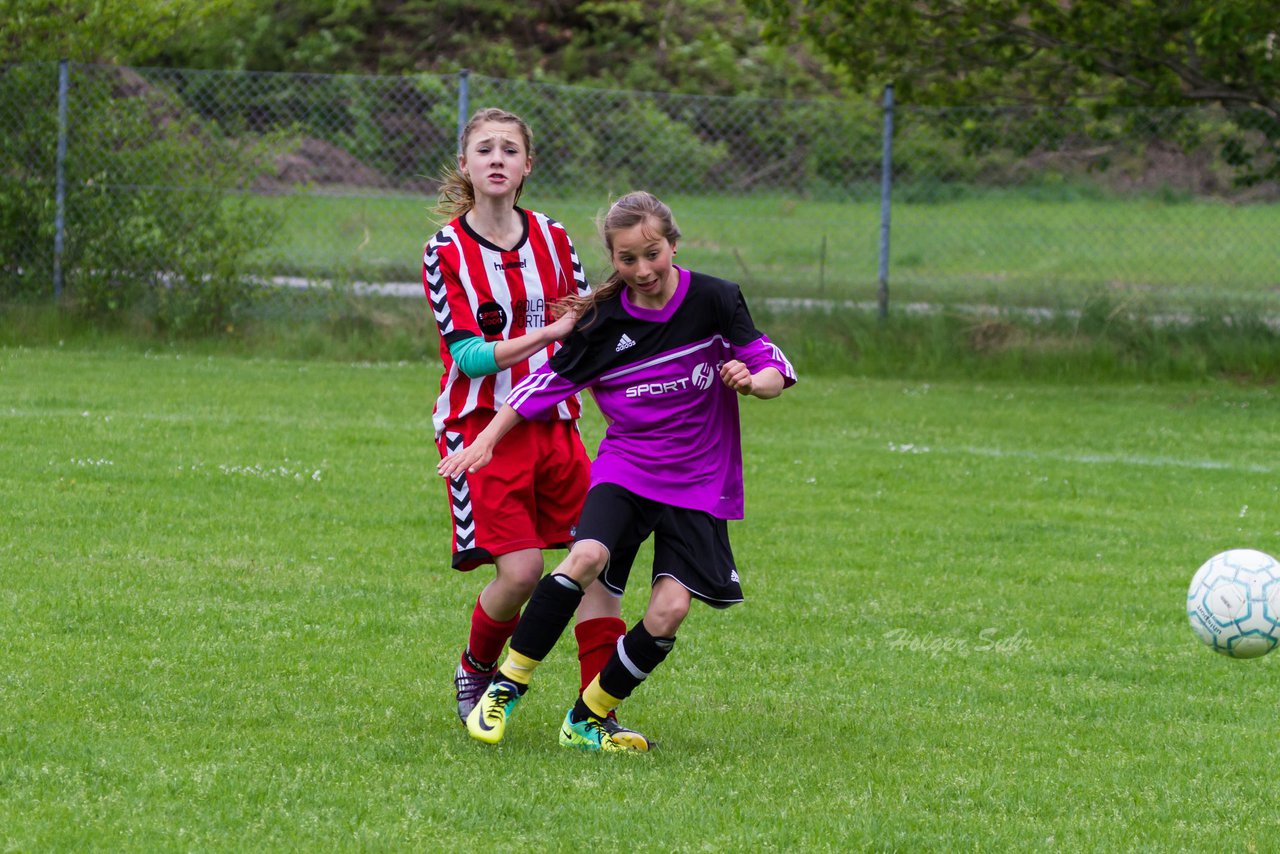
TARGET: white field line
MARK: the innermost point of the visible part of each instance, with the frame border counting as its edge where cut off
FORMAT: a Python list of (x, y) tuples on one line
[(1088, 459), (908, 448), (383, 289), (785, 304)]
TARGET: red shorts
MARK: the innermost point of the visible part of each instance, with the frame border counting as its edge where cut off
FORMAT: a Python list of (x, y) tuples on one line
[(527, 497)]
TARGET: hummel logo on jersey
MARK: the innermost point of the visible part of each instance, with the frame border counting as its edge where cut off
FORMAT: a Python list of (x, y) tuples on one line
[(623, 343)]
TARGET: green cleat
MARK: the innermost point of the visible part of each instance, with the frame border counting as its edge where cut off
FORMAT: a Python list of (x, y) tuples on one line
[(488, 720), (606, 734)]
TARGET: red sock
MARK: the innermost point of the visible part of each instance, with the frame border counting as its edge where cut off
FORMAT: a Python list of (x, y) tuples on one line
[(597, 640), (487, 639)]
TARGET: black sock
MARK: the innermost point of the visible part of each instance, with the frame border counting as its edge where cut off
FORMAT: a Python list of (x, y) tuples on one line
[(580, 712), (476, 665), (633, 661), (546, 616)]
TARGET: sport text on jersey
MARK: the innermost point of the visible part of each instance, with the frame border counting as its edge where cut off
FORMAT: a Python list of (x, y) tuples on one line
[(700, 379), (491, 318)]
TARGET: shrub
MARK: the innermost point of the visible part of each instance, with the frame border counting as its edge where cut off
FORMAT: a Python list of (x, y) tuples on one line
[(154, 219)]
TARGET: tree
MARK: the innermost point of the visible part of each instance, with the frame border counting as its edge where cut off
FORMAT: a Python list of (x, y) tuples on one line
[(91, 31), (1103, 52), (703, 46), (690, 46)]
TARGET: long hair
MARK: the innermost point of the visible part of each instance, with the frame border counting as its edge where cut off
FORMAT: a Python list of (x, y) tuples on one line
[(627, 212), (457, 193)]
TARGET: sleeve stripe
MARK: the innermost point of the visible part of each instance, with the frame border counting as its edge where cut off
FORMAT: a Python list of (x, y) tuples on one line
[(778, 356), (528, 387), (434, 281)]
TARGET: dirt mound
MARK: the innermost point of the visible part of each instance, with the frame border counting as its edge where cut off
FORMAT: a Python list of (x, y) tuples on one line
[(1157, 167), (314, 161), (322, 165)]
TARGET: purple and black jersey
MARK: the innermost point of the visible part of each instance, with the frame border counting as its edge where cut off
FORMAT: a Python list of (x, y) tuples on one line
[(673, 431)]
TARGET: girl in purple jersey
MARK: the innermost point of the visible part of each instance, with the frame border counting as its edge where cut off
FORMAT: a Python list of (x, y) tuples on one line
[(490, 256), (650, 343)]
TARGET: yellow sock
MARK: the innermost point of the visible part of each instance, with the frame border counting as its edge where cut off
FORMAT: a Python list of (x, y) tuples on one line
[(517, 667), (598, 700)]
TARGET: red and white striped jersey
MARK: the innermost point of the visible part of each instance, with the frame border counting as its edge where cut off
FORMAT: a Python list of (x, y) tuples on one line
[(477, 288)]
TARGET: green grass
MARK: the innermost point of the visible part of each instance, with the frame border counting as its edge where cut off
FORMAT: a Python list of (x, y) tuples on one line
[(1010, 248), (228, 624)]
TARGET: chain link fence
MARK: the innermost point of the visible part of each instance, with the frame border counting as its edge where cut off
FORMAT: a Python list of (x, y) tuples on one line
[(203, 194)]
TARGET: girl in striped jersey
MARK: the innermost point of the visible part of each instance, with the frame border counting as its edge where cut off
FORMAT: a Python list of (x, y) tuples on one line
[(492, 275), (667, 353)]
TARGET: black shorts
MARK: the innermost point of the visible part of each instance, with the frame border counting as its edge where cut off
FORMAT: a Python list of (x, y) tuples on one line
[(690, 547)]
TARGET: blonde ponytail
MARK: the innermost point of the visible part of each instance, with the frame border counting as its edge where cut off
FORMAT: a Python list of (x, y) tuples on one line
[(457, 194)]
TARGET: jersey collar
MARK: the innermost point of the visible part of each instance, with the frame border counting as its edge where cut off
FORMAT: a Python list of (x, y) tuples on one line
[(659, 315), (524, 233)]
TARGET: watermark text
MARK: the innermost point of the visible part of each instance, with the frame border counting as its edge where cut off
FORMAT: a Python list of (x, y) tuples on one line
[(989, 640)]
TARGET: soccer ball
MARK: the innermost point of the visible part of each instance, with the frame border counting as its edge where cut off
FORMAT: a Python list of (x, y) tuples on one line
[(1234, 603)]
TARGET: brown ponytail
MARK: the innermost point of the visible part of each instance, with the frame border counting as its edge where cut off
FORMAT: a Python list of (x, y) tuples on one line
[(628, 211)]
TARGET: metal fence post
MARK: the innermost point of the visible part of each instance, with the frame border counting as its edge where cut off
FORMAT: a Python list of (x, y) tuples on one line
[(886, 186), (60, 182), (464, 102)]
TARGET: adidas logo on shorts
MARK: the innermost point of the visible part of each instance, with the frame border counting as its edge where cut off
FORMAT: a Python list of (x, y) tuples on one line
[(623, 343)]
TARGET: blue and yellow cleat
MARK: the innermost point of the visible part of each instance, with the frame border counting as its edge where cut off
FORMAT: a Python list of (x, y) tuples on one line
[(488, 720), (606, 734)]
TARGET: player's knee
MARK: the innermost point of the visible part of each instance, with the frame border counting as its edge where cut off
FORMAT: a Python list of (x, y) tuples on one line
[(585, 562), (668, 606), (518, 578), (519, 587)]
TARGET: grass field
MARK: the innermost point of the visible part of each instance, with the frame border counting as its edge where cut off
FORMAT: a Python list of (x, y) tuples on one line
[(228, 624), (1007, 248)]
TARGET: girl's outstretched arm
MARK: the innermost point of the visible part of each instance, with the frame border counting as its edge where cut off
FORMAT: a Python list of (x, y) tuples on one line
[(768, 383), (478, 454), (477, 357), (513, 350)]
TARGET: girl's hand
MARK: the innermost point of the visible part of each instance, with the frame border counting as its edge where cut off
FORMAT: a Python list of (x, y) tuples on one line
[(470, 459), (736, 376), (560, 328)]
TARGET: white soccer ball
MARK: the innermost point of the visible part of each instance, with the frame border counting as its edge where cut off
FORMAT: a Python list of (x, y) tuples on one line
[(1234, 603)]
